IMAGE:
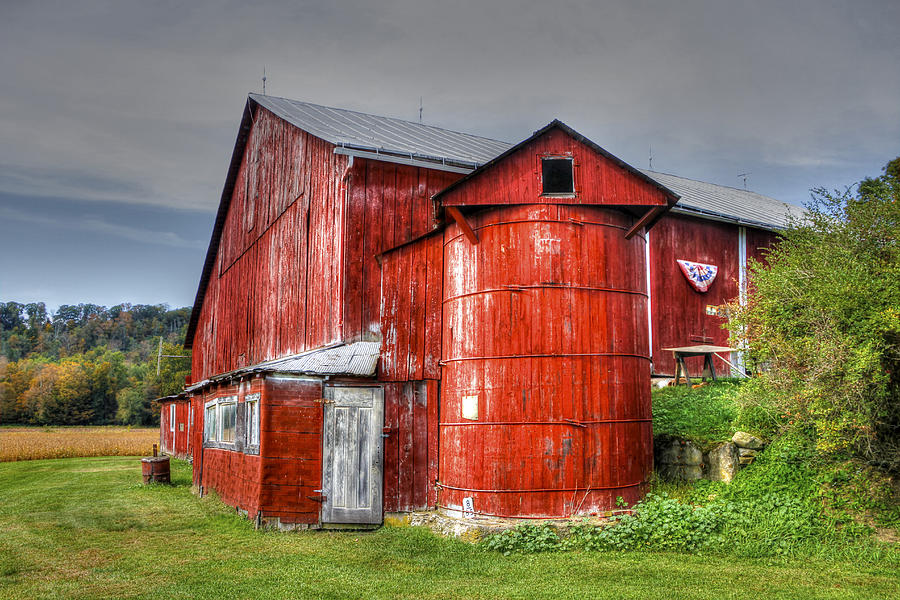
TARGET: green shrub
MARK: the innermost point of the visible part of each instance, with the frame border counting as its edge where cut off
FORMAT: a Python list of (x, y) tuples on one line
[(823, 319), (658, 523), (526, 539), (788, 503)]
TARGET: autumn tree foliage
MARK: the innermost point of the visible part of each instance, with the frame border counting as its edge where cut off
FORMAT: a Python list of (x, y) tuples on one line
[(823, 322), (88, 364)]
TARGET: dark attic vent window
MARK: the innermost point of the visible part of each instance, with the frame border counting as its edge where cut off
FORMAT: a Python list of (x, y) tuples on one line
[(557, 177)]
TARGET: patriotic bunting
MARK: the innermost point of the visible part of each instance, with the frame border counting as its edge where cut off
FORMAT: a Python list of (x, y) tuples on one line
[(699, 275)]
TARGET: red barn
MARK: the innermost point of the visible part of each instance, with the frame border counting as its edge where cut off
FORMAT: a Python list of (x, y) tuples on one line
[(393, 316)]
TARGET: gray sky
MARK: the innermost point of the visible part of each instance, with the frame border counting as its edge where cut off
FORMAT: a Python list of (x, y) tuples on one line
[(117, 118)]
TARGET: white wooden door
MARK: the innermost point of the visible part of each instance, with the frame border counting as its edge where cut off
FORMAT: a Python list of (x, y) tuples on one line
[(352, 455)]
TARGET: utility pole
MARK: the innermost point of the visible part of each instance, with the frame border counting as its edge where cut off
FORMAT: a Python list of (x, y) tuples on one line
[(160, 356)]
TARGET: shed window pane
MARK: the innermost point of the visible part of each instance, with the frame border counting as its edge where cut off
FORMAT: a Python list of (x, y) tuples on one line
[(172, 417), (229, 418), (253, 421), (209, 424), (557, 176)]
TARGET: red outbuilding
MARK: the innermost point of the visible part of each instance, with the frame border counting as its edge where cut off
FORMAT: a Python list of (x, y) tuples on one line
[(393, 317), (175, 424)]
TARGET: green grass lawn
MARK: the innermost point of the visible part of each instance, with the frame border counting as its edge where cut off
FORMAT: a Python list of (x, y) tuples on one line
[(86, 528)]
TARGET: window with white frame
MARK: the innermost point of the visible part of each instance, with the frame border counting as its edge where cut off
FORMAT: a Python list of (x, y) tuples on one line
[(227, 421), (172, 417), (210, 428), (557, 176), (220, 422), (252, 427)]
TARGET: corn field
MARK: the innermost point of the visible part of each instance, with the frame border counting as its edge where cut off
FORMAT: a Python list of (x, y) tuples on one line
[(31, 443)]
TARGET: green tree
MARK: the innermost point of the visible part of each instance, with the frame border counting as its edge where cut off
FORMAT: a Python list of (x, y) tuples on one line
[(823, 318), (107, 374), (135, 401)]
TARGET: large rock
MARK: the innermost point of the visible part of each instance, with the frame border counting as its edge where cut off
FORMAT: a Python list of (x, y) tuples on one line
[(671, 472), (679, 452), (746, 455), (723, 462), (678, 460), (742, 439)]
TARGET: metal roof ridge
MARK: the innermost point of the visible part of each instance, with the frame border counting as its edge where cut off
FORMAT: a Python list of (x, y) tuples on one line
[(737, 189), (398, 119)]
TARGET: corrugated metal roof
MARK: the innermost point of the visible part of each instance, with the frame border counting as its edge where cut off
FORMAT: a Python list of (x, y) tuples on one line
[(358, 359), (727, 203), (358, 130)]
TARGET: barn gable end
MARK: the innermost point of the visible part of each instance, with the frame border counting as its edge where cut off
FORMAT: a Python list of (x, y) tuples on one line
[(275, 283), (599, 177)]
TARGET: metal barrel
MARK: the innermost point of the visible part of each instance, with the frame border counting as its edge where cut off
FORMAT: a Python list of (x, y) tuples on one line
[(155, 468), (545, 391)]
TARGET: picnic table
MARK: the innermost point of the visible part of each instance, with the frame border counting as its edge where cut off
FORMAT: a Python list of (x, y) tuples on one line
[(706, 352)]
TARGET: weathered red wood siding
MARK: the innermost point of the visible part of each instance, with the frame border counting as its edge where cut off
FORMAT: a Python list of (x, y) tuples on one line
[(758, 243), (411, 445), (291, 420), (545, 322), (396, 298), (412, 279), (234, 476), (410, 367), (517, 180), (679, 312), (388, 205), (281, 480), (179, 442), (278, 284)]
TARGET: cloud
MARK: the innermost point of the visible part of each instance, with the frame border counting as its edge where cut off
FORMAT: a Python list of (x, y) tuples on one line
[(97, 225), (148, 96)]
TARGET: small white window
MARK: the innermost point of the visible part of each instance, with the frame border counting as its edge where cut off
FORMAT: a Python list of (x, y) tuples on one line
[(252, 401), (209, 422), (172, 417), (227, 421), (220, 420)]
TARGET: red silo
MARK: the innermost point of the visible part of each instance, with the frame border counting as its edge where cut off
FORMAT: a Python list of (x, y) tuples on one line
[(545, 382), (545, 400)]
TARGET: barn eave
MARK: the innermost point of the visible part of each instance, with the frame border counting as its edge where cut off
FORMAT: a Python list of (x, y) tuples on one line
[(358, 359)]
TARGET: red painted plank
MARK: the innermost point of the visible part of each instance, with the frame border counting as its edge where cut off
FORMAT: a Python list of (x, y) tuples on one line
[(391, 447), (405, 436), (432, 388)]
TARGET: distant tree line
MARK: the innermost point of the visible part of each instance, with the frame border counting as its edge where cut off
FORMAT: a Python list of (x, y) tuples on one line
[(88, 364)]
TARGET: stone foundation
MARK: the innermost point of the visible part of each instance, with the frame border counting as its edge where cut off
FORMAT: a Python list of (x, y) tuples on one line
[(681, 460)]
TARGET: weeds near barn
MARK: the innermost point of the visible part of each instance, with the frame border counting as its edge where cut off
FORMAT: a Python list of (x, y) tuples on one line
[(790, 504), (35, 443)]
